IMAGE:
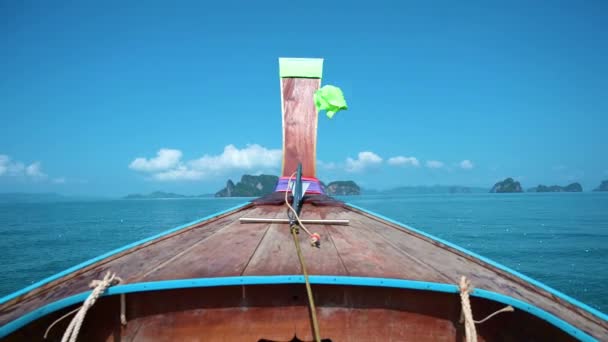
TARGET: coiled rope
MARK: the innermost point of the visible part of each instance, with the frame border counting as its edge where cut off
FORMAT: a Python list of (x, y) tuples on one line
[(467, 313), (99, 287)]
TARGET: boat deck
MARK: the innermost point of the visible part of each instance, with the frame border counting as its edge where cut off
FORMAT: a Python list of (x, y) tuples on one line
[(367, 247)]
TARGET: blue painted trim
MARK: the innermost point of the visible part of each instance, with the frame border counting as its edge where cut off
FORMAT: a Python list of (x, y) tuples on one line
[(493, 263), (108, 254), (294, 279)]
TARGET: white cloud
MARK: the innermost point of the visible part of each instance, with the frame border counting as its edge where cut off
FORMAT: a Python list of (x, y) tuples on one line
[(403, 161), (165, 159), (168, 166), (250, 157), (9, 167), (434, 164), (364, 160), (466, 164), (34, 170), (12, 168), (60, 180), (180, 173)]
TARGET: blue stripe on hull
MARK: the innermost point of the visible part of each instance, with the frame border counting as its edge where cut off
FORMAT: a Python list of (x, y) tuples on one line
[(493, 263), (295, 279)]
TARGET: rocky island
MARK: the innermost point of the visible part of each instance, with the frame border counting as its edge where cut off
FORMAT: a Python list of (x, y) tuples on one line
[(508, 185), (602, 187), (433, 189), (249, 186), (574, 187), (342, 188), (254, 186)]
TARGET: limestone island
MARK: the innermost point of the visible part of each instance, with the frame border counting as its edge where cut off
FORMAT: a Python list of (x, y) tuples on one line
[(433, 189), (249, 186), (574, 187), (602, 187), (255, 186), (342, 188), (508, 185)]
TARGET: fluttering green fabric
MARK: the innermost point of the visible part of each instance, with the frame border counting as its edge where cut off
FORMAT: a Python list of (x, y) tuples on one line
[(330, 99)]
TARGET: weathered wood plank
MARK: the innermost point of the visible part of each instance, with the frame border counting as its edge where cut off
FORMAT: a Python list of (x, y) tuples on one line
[(177, 249), (299, 125), (453, 264), (228, 324), (129, 264), (225, 253), (277, 254), (366, 253)]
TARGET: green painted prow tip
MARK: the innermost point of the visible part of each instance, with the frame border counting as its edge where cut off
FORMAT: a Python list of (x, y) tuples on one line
[(301, 67)]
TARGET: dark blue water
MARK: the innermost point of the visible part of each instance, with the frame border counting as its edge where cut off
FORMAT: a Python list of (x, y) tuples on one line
[(560, 239)]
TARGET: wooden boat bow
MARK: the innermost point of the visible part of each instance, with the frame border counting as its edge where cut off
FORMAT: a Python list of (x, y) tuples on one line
[(373, 279)]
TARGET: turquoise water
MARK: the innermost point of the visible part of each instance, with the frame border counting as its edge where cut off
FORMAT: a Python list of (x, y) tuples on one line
[(560, 239)]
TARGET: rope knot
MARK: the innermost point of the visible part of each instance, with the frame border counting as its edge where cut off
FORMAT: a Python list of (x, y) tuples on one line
[(465, 285), (315, 240), (99, 287), (110, 278)]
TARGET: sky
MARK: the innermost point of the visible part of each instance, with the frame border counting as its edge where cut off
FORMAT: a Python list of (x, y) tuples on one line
[(118, 97)]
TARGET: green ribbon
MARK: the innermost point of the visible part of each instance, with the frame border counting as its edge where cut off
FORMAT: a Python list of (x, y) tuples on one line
[(330, 99)]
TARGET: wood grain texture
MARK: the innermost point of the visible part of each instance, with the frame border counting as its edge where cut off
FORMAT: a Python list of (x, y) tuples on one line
[(276, 254), (279, 312), (299, 125), (127, 264), (369, 246)]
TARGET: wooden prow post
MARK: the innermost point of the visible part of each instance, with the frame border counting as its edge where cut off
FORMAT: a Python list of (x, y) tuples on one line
[(300, 79)]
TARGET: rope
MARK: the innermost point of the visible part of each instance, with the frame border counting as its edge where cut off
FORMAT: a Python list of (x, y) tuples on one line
[(467, 313), (123, 309), (315, 238), (99, 287), (469, 323), (311, 301)]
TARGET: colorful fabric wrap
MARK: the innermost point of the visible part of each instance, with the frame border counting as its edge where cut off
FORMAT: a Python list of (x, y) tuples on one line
[(314, 186)]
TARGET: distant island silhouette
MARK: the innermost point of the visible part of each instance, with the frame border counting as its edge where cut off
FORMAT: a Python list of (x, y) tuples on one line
[(254, 186), (506, 186), (249, 186), (602, 187), (161, 195), (260, 185), (574, 187)]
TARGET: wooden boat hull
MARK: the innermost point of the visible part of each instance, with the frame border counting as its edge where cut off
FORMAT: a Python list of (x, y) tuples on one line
[(219, 279), (278, 312)]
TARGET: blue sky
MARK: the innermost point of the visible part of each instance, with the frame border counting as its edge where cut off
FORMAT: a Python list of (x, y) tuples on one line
[(454, 93)]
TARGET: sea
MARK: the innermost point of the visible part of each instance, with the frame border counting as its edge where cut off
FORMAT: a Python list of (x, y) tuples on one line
[(560, 239)]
